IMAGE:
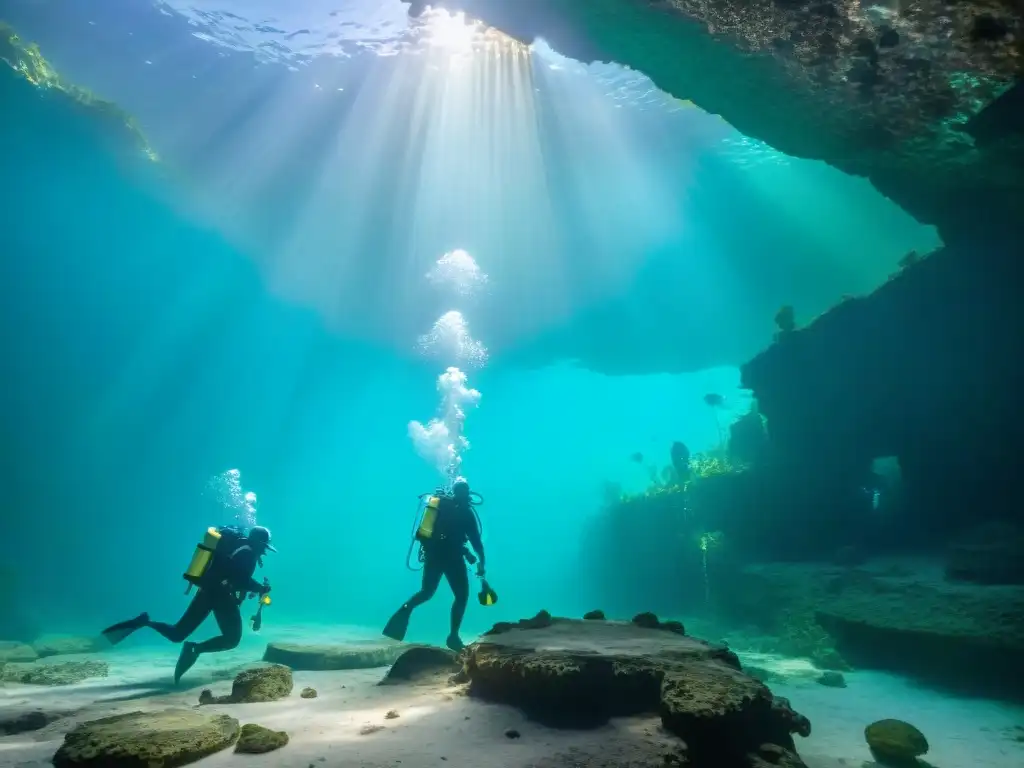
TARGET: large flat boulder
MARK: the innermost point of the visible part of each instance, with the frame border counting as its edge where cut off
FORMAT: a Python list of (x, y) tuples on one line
[(582, 672), (63, 673), (62, 645), (162, 739), (893, 617), (326, 657), (907, 96), (11, 650)]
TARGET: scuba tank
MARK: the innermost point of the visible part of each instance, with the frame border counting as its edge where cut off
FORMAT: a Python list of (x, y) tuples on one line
[(424, 523), (201, 558)]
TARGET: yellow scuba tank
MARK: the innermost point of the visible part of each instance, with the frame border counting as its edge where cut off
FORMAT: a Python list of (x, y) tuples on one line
[(430, 509), (201, 558)]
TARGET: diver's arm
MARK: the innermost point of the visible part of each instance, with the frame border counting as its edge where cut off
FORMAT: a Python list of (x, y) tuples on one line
[(476, 541)]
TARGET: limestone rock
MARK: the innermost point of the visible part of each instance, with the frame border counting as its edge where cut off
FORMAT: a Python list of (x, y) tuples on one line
[(581, 672), (14, 651), (991, 554), (422, 662), (895, 740), (832, 680), (597, 615), (308, 693), (64, 673), (161, 739), (255, 739), (257, 684), (328, 657), (12, 723), (59, 645)]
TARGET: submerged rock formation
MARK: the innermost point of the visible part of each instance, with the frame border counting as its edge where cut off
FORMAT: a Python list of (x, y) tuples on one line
[(959, 635), (64, 673), (160, 739), (113, 123), (257, 684), (908, 97), (326, 657), (927, 369), (581, 672)]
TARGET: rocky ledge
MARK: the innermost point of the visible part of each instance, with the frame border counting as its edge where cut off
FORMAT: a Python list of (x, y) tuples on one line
[(579, 673), (915, 96), (904, 617)]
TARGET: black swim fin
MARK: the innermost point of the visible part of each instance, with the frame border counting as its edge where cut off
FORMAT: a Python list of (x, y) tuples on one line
[(118, 632), (398, 624)]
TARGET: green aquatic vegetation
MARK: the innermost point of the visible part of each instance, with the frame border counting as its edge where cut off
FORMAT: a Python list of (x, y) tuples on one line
[(28, 62)]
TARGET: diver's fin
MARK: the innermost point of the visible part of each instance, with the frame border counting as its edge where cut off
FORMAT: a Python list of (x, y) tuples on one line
[(118, 632), (398, 624), (186, 659)]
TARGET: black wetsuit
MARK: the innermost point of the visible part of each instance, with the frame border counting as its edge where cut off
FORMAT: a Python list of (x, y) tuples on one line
[(444, 555), (221, 592)]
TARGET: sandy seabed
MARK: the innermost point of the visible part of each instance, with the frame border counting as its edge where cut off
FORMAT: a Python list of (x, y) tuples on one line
[(348, 723)]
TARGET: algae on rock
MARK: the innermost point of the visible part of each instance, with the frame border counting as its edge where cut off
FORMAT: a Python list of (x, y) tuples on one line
[(161, 739), (29, 63)]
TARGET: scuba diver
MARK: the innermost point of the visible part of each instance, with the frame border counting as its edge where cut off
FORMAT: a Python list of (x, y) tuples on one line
[(222, 568), (448, 522)]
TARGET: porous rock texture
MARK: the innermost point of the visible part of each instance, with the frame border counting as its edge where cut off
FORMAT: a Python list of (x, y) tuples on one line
[(904, 93), (327, 657), (161, 739), (255, 739), (63, 673), (581, 672), (256, 684), (965, 636)]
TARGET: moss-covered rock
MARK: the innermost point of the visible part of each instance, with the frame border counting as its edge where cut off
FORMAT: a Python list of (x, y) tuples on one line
[(162, 739), (422, 662), (258, 684), (29, 63), (63, 645), (895, 741), (64, 673), (255, 739), (333, 657), (11, 650), (308, 693), (12, 723), (577, 672)]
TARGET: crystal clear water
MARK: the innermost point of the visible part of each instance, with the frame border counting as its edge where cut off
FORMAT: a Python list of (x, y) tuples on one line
[(374, 254)]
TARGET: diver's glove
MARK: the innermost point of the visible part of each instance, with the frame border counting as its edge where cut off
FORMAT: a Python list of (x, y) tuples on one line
[(265, 589), (481, 571)]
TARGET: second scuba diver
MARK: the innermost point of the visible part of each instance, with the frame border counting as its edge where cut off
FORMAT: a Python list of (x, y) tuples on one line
[(448, 522), (222, 568)]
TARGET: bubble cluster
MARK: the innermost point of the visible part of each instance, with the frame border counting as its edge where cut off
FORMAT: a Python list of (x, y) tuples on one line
[(459, 271), (441, 440), (449, 340), (227, 490)]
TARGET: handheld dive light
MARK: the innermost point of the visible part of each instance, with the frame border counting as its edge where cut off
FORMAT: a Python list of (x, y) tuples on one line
[(486, 595)]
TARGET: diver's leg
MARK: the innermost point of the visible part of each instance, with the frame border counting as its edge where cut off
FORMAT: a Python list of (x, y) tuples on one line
[(189, 622), (229, 619), (458, 580), (398, 624)]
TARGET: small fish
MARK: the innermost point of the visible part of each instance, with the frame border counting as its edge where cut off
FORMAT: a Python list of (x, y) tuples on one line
[(637, 457)]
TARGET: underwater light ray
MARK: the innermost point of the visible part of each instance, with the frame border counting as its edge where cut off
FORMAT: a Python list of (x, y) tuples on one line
[(607, 147), (313, 263)]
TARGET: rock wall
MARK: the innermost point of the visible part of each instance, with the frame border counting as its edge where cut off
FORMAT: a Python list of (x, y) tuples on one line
[(927, 369)]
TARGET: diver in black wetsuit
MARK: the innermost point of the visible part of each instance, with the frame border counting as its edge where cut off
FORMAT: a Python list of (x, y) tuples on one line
[(222, 590), (444, 554)]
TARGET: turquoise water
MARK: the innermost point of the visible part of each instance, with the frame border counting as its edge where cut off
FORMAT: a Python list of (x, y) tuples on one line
[(256, 300), (181, 318)]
